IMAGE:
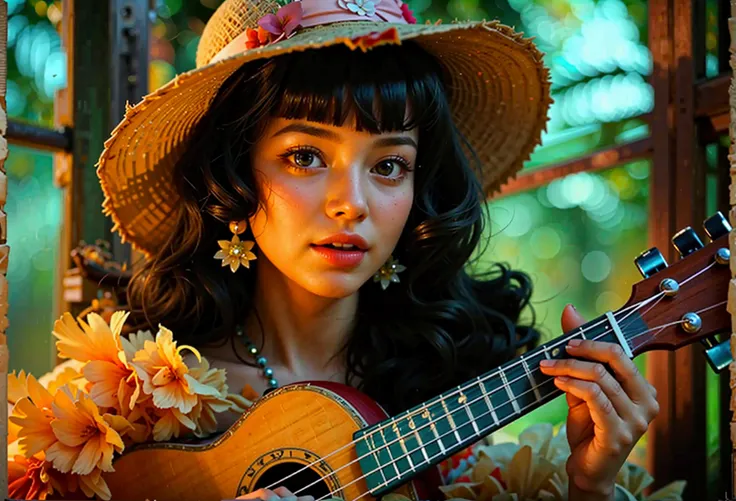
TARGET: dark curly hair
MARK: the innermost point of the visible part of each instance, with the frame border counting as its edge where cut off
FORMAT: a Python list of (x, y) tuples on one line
[(437, 328)]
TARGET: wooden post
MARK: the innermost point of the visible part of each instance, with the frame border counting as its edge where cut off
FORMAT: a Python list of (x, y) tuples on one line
[(4, 252)]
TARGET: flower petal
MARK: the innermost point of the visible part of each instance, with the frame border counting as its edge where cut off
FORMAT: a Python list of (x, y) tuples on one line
[(89, 457), (272, 24), (62, 456)]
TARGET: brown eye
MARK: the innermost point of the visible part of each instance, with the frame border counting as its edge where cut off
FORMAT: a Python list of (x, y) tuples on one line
[(303, 158), (386, 168)]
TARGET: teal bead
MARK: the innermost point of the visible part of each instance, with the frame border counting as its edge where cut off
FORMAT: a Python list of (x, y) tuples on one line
[(268, 372), (253, 350), (261, 361), (273, 383)]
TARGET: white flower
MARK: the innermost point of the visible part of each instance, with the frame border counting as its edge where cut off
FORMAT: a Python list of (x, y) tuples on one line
[(360, 7)]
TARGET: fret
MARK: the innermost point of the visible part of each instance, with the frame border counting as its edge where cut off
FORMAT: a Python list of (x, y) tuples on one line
[(448, 415), (420, 442), (582, 332), (532, 381), (433, 428), (388, 451), (488, 401), (377, 458), (464, 401), (513, 401), (402, 443), (619, 335), (546, 353)]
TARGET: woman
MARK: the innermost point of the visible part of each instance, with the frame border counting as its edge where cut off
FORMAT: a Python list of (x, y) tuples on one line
[(341, 192)]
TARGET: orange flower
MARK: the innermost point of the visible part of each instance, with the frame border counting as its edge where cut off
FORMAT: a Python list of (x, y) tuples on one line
[(171, 423), (165, 376), (96, 341), (28, 478), (204, 412), (257, 38), (101, 348), (86, 439), (93, 484), (32, 415)]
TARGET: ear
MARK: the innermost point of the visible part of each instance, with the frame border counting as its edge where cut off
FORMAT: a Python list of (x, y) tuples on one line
[(571, 319)]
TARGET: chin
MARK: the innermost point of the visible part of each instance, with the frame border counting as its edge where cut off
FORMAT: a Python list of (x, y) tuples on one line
[(335, 288)]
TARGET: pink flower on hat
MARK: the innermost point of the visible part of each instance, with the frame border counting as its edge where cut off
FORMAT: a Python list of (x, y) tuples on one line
[(284, 23), (408, 14)]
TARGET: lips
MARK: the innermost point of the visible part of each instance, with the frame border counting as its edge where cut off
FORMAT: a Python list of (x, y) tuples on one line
[(343, 241), (342, 250)]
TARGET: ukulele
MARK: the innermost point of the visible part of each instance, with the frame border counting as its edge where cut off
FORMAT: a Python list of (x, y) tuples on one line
[(329, 440)]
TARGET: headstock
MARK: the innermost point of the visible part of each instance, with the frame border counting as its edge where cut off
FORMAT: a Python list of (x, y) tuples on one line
[(684, 302)]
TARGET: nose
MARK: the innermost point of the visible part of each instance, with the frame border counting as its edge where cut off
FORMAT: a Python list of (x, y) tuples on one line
[(346, 195)]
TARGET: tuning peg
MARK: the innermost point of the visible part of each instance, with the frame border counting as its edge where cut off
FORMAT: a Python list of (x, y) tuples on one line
[(718, 354), (686, 242), (650, 262), (716, 226)]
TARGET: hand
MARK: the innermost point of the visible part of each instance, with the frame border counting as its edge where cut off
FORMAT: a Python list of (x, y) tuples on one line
[(607, 415), (278, 494)]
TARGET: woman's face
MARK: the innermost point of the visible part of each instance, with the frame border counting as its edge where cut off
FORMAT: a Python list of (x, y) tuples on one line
[(334, 201)]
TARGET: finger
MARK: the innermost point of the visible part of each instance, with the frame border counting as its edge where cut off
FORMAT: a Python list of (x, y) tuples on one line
[(612, 354), (263, 494), (601, 409), (571, 318), (283, 492), (594, 372)]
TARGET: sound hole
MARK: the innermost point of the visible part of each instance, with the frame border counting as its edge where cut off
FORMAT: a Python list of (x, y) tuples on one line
[(277, 473)]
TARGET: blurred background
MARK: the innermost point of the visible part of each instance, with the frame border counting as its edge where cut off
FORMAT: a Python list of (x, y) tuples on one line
[(577, 235)]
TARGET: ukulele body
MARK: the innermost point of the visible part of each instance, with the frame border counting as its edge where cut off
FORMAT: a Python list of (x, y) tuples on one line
[(285, 430)]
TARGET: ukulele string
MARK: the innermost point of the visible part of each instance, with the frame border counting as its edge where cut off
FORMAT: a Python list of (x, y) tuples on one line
[(662, 327), (465, 406), (480, 432)]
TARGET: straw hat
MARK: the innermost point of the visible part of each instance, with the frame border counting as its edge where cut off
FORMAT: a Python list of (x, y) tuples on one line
[(497, 86)]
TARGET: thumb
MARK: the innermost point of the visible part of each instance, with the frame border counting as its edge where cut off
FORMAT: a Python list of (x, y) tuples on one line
[(571, 319)]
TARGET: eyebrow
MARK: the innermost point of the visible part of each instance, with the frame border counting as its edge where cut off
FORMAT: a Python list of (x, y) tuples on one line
[(332, 136)]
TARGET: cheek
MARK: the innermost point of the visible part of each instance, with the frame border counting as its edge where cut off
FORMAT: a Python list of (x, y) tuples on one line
[(288, 204), (392, 216)]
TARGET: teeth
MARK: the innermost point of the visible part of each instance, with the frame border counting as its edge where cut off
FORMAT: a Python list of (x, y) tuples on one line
[(343, 246)]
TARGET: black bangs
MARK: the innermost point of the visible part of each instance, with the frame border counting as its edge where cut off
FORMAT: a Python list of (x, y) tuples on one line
[(387, 89)]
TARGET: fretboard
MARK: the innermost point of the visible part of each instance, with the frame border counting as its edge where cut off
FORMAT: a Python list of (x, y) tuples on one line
[(394, 450)]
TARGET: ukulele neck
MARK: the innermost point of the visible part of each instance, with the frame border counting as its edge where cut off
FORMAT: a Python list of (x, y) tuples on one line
[(398, 448)]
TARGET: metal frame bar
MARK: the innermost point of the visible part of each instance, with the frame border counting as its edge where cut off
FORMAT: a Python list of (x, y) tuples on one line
[(41, 138), (598, 160)]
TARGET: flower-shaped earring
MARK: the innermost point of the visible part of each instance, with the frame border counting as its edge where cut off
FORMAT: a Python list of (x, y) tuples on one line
[(234, 252), (389, 272)]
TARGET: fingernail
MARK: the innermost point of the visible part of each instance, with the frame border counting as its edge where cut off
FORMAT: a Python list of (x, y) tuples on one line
[(562, 379), (574, 342), (573, 307), (547, 363)]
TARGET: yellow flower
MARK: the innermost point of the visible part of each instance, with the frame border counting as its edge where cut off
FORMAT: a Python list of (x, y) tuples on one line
[(32, 415), (100, 347), (171, 423), (203, 414), (69, 372), (93, 484), (86, 439), (94, 341), (165, 376), (235, 253)]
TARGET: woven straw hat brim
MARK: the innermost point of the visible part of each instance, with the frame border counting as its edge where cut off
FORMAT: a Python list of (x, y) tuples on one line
[(497, 86)]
